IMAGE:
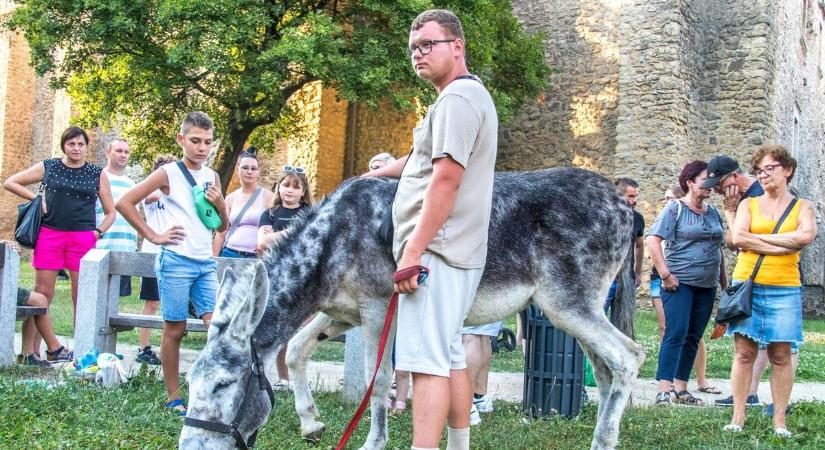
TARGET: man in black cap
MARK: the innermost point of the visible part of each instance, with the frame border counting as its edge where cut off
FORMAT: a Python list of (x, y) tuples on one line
[(726, 178)]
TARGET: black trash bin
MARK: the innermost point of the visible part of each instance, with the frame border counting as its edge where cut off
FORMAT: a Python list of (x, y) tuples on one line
[(553, 369)]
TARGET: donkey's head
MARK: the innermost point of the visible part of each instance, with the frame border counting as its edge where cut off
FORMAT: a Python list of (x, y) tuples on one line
[(227, 397)]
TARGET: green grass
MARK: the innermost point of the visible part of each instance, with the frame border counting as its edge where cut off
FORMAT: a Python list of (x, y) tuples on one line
[(720, 352), (77, 415)]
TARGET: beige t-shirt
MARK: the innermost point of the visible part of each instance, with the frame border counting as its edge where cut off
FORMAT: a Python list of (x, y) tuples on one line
[(463, 124)]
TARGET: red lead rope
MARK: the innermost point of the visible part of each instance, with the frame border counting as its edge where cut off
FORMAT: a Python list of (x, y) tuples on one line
[(385, 333)]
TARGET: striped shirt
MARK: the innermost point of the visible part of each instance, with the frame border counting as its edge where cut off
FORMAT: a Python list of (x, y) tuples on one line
[(120, 236)]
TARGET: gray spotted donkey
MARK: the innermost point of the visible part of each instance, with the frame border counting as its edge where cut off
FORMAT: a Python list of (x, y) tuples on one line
[(558, 238)]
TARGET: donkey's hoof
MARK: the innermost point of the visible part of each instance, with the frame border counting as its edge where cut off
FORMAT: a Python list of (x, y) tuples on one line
[(314, 436)]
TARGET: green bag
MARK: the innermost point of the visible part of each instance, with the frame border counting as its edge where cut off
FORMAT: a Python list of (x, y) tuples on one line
[(206, 211), (589, 379)]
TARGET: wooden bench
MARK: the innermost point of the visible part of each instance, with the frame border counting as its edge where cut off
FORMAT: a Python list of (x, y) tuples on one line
[(98, 316)]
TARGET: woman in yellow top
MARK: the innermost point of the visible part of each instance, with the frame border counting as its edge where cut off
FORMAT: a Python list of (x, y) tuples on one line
[(776, 318)]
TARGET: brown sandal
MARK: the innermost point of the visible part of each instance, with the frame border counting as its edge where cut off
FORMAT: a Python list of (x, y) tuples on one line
[(710, 389), (685, 398)]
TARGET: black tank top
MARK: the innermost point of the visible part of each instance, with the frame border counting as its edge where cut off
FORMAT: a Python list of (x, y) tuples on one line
[(71, 194)]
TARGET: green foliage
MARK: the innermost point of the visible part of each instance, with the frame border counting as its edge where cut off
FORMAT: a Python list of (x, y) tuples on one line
[(141, 64)]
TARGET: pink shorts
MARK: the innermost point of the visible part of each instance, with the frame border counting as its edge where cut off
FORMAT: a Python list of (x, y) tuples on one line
[(56, 249)]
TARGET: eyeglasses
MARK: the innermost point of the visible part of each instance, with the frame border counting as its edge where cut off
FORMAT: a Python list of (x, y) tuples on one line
[(766, 170), (299, 170), (252, 168), (426, 47)]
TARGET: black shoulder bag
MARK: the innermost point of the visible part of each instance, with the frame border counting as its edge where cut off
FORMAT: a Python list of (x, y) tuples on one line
[(386, 231), (30, 216), (735, 303)]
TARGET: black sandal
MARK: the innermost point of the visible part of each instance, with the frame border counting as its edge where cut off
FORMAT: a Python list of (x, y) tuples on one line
[(685, 398), (663, 399)]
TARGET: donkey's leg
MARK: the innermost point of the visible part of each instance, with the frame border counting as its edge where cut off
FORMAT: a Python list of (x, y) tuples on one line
[(602, 374), (372, 320), (300, 349), (612, 351)]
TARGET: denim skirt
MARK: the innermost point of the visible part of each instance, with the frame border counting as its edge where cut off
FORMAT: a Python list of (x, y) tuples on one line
[(776, 315)]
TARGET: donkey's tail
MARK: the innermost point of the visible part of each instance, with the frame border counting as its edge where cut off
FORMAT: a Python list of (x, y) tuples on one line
[(624, 306)]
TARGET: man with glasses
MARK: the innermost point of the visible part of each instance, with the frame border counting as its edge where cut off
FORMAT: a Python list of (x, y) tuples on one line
[(441, 215)]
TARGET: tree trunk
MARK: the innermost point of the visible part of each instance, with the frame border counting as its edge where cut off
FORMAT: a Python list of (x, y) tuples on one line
[(230, 149)]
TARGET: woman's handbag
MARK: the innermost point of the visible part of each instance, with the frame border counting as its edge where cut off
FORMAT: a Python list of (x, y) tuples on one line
[(29, 217), (735, 303)]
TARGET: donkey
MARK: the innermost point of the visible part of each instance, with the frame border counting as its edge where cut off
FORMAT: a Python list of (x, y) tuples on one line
[(557, 238)]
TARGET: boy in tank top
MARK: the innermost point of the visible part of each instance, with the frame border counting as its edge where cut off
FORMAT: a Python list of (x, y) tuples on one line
[(184, 267)]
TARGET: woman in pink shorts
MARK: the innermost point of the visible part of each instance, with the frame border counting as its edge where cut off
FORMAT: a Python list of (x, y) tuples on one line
[(68, 229)]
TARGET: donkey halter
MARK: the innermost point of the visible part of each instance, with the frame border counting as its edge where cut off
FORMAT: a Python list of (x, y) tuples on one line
[(257, 375)]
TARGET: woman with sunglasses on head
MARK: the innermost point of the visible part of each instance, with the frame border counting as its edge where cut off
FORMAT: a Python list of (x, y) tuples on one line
[(291, 196), (244, 206), (776, 303)]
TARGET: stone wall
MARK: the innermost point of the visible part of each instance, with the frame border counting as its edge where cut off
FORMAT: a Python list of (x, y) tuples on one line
[(18, 105), (384, 129), (797, 109), (574, 123)]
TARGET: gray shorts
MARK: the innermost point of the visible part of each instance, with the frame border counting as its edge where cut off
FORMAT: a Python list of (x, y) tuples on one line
[(488, 329), (428, 339)]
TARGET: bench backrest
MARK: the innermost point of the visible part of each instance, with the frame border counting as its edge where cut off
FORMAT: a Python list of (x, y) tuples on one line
[(99, 291)]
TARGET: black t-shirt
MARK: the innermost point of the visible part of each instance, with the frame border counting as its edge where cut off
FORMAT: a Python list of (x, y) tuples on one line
[(71, 194), (279, 218)]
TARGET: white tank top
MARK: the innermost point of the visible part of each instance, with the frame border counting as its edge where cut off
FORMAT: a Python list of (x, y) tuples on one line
[(151, 212), (179, 209)]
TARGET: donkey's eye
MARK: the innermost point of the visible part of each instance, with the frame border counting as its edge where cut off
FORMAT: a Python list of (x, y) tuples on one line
[(220, 385)]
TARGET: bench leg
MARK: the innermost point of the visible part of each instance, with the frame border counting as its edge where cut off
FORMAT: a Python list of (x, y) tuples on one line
[(93, 305), (8, 303)]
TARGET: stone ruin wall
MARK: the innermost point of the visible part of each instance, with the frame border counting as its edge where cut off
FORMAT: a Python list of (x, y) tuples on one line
[(673, 81), (574, 123), (797, 112)]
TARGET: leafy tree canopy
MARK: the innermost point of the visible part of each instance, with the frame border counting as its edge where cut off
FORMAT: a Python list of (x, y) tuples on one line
[(142, 64)]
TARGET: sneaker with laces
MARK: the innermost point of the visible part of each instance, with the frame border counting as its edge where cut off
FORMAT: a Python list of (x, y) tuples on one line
[(33, 360), (475, 417), (484, 404), (752, 400), (147, 356), (62, 354)]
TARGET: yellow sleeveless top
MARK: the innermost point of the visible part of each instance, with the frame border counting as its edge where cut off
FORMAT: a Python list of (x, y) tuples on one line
[(776, 270)]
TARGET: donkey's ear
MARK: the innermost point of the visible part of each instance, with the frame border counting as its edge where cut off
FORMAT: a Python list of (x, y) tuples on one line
[(251, 308), (225, 301)]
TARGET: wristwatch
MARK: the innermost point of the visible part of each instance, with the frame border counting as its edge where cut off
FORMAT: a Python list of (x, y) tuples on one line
[(100, 233)]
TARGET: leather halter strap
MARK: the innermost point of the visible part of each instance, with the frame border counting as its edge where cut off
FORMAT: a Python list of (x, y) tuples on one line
[(257, 374), (400, 275)]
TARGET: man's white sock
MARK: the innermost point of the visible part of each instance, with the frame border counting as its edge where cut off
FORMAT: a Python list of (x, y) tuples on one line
[(458, 439)]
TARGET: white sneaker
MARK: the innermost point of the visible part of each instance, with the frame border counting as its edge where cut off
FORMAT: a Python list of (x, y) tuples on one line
[(475, 417), (484, 404)]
